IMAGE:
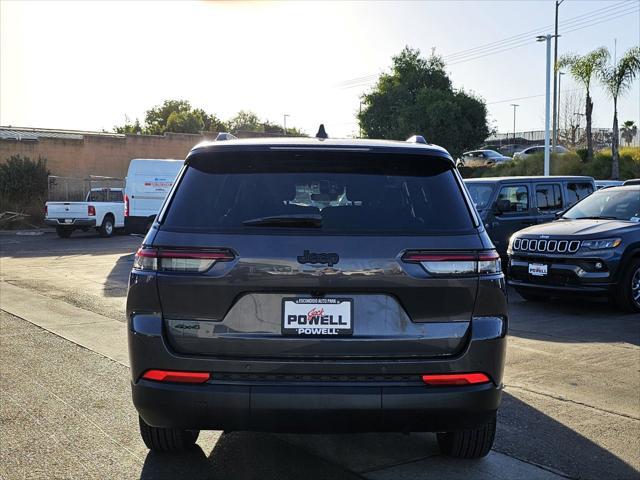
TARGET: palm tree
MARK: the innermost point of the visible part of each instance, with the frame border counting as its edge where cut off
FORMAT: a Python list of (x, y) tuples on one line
[(628, 131), (617, 79), (582, 69)]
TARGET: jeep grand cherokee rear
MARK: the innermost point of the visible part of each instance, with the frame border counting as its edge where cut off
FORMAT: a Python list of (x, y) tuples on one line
[(317, 286)]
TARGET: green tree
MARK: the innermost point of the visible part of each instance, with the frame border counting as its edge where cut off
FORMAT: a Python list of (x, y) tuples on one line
[(417, 97), (246, 121), (211, 122), (184, 122), (132, 128), (628, 131), (157, 117), (583, 69), (617, 79)]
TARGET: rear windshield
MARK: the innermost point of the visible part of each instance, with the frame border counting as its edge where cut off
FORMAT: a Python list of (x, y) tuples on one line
[(324, 193)]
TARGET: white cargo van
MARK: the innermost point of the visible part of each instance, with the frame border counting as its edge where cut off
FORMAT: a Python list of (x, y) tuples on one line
[(147, 184)]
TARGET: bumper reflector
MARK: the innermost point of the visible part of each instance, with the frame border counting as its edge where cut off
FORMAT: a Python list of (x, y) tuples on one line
[(455, 379), (178, 377)]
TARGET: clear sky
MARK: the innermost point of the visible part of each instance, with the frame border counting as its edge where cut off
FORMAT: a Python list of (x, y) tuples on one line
[(85, 65)]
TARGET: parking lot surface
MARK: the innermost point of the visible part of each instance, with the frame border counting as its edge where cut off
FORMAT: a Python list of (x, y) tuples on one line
[(571, 407)]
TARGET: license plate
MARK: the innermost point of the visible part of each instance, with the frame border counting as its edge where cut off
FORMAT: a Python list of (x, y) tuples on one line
[(68, 220), (537, 269), (317, 316)]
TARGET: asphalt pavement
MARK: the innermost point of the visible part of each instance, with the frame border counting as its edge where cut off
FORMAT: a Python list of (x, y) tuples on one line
[(571, 407)]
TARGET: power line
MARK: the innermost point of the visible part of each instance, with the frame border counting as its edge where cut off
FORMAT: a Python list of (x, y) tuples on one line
[(519, 37), (576, 23), (579, 26), (529, 96)]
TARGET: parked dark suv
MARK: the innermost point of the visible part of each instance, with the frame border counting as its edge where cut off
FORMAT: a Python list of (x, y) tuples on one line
[(509, 204), (313, 285), (592, 249)]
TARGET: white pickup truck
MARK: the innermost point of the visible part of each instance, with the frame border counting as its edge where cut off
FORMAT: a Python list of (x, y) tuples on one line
[(102, 210)]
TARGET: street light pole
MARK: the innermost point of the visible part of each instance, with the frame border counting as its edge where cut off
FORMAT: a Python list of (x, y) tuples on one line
[(514, 105), (555, 77), (559, 106), (285, 123), (547, 106)]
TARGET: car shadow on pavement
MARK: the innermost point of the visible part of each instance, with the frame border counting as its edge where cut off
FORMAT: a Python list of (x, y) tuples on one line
[(524, 433), (572, 320), (531, 435), (117, 280)]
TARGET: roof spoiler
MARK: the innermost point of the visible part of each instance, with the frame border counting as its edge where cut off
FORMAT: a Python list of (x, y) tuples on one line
[(416, 139), (225, 136)]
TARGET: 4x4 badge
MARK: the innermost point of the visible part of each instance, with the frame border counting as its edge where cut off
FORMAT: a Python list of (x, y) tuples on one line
[(329, 258)]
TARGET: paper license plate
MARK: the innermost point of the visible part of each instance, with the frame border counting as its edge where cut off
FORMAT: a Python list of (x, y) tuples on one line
[(68, 220), (317, 316)]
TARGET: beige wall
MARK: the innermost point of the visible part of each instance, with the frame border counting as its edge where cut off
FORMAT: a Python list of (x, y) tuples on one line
[(99, 154)]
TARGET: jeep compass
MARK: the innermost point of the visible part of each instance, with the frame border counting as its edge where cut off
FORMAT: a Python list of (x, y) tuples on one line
[(317, 285)]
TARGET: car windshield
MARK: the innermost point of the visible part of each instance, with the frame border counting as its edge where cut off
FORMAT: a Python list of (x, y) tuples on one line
[(326, 194), (480, 194), (608, 204), (491, 153)]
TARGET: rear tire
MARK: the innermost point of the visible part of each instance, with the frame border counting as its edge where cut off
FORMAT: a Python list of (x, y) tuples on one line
[(474, 443), (167, 439), (107, 228), (530, 297), (64, 232), (627, 296)]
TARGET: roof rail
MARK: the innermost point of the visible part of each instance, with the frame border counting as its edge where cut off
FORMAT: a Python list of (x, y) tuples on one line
[(225, 136), (416, 139)]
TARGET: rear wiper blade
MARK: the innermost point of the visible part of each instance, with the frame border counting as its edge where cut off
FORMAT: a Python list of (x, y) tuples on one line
[(313, 221)]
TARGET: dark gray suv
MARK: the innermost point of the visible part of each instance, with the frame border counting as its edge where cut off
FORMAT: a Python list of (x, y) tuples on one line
[(313, 285)]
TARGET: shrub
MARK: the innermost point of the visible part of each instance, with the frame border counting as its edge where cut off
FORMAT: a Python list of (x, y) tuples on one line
[(568, 164), (23, 186)]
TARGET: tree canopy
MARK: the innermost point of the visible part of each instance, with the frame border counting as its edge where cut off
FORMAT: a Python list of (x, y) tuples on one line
[(417, 97), (179, 117)]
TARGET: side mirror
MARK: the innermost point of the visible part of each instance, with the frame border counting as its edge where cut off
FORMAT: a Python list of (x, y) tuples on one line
[(502, 206), (559, 214)]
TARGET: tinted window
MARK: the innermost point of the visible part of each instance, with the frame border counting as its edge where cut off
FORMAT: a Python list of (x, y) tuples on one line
[(578, 191), (480, 194), (549, 197), (116, 196), (377, 195), (517, 196), (608, 203), (99, 196)]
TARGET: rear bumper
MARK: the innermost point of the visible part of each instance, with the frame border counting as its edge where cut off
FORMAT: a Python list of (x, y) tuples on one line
[(305, 395), (76, 222), (315, 408)]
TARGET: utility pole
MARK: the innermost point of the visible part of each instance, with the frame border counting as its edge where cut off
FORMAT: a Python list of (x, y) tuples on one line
[(547, 107), (555, 78), (514, 105), (285, 123)]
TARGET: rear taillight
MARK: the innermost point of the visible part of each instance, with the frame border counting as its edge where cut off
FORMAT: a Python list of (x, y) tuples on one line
[(455, 379), (46, 210), (91, 210), (177, 377), (126, 205), (456, 263), (179, 260)]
